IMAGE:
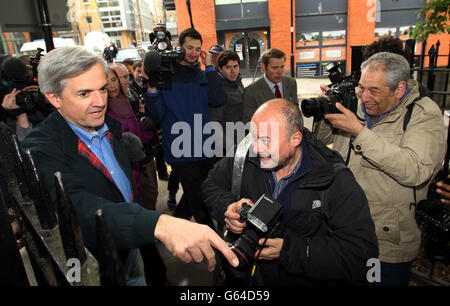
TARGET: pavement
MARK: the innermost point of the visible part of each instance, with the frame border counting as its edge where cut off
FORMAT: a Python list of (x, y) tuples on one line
[(182, 274)]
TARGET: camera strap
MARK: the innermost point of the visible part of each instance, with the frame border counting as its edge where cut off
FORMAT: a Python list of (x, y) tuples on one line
[(238, 165)]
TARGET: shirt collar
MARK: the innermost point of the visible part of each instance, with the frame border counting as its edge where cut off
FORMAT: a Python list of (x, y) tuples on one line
[(369, 119), (293, 172), (86, 136), (270, 83)]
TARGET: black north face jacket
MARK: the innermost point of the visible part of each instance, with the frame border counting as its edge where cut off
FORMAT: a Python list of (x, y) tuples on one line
[(327, 230)]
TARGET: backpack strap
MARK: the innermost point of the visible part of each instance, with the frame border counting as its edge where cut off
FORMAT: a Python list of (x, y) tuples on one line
[(408, 114)]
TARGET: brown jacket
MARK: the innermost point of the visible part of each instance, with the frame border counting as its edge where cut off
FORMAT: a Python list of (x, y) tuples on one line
[(388, 163)]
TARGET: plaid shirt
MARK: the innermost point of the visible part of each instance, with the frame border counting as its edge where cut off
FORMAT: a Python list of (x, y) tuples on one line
[(85, 151)]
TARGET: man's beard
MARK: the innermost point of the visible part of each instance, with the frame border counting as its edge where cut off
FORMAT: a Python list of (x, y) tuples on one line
[(194, 63), (280, 164)]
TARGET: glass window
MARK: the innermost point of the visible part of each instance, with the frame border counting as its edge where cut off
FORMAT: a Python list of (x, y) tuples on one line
[(18, 40), (3, 45), (382, 32), (307, 39), (224, 2), (333, 37), (405, 32)]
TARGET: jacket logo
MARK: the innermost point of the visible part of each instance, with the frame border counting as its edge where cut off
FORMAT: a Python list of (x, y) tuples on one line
[(316, 204)]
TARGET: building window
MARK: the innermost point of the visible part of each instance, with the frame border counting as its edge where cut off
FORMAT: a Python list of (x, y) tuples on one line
[(3, 45), (107, 3), (225, 2), (18, 40)]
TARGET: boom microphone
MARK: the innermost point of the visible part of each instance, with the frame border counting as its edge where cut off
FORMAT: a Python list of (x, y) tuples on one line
[(134, 146), (152, 62)]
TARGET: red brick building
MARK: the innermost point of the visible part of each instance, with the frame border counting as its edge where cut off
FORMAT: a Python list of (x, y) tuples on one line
[(324, 31)]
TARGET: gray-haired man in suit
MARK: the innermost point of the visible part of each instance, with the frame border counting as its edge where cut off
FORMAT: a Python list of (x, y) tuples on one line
[(272, 85)]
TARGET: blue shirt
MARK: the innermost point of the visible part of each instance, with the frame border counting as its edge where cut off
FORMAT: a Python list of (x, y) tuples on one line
[(99, 144), (279, 185)]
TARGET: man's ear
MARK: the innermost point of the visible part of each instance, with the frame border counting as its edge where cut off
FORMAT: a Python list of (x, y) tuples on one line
[(296, 138), (54, 99), (263, 67), (400, 90)]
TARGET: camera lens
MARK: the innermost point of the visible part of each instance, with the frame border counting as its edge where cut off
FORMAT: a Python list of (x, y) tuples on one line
[(245, 247), (315, 106)]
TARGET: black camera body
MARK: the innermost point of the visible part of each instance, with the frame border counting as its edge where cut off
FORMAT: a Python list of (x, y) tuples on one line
[(18, 78), (262, 220), (159, 61), (433, 218), (341, 91), (27, 101)]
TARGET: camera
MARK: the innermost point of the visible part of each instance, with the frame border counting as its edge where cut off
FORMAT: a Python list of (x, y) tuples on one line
[(15, 76), (27, 101), (159, 61), (262, 221), (341, 91), (433, 218)]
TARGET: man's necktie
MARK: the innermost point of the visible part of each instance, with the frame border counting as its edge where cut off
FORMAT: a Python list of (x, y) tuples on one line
[(277, 91)]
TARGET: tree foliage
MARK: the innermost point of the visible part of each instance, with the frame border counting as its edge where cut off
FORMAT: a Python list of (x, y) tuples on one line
[(435, 19)]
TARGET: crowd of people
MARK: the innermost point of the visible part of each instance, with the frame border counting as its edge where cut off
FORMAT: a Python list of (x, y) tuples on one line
[(111, 134)]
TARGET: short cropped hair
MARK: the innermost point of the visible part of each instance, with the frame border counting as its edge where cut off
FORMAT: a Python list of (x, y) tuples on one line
[(293, 117), (395, 66), (226, 56), (64, 63), (189, 32), (271, 53)]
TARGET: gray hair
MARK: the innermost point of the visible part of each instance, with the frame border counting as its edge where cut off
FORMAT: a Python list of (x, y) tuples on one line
[(64, 63), (394, 65)]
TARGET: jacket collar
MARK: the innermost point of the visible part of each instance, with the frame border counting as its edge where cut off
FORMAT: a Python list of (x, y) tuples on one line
[(69, 139)]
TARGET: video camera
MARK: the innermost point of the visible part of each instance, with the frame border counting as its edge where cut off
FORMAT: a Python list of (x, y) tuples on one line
[(16, 77), (342, 90), (433, 218), (262, 221), (159, 61)]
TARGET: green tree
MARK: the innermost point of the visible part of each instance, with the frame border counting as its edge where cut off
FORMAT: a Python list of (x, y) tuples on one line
[(435, 19)]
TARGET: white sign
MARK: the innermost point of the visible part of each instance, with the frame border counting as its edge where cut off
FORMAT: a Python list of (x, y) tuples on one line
[(333, 53), (307, 55)]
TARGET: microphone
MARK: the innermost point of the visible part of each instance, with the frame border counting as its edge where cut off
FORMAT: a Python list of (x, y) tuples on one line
[(134, 146), (152, 62)]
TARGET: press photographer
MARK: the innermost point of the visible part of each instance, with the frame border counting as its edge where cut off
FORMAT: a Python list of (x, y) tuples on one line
[(394, 145), (192, 92), (25, 106), (325, 235)]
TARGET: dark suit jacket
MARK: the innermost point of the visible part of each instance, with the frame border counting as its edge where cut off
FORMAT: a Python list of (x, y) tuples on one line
[(55, 148), (259, 92)]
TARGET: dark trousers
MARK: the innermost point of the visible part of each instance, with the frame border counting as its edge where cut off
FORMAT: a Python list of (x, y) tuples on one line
[(154, 267), (173, 183), (191, 176), (160, 161), (395, 274)]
